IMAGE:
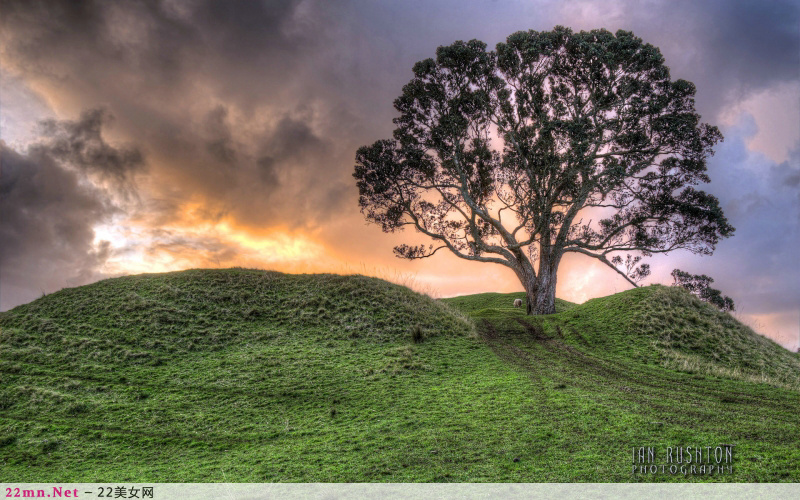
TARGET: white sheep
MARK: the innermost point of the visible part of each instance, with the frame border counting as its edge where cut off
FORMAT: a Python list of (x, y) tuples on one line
[(517, 302)]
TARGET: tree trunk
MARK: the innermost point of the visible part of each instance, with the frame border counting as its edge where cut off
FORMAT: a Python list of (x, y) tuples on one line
[(541, 289), (541, 293)]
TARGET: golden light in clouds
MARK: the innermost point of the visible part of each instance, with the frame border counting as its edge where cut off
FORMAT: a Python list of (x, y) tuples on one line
[(139, 248)]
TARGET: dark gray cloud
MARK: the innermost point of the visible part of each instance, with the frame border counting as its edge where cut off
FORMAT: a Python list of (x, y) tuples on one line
[(45, 227), (51, 198), (763, 37), (228, 96), (762, 200), (220, 143), (80, 144), (169, 40), (728, 48)]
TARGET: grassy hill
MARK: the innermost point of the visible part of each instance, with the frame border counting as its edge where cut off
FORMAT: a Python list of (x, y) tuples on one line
[(655, 325), (253, 376)]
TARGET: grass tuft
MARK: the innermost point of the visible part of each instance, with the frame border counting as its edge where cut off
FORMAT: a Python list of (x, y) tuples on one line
[(416, 334)]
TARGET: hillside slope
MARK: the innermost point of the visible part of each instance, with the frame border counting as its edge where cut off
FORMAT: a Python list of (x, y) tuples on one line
[(670, 326), (242, 375), (655, 325)]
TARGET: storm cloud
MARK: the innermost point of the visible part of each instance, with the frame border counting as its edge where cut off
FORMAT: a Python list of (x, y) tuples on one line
[(50, 205)]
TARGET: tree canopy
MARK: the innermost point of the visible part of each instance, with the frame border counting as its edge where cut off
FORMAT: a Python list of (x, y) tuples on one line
[(699, 285), (554, 142)]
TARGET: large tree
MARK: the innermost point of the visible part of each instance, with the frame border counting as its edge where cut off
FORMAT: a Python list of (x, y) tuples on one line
[(555, 142)]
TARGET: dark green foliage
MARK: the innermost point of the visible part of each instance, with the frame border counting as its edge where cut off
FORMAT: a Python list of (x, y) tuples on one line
[(416, 335), (48, 446), (700, 286), (586, 120), (635, 273)]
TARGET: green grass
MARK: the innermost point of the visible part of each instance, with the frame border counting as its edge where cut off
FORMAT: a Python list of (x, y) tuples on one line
[(252, 376), (481, 304)]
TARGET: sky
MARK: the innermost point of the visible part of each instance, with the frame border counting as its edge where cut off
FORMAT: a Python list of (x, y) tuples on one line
[(164, 135)]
